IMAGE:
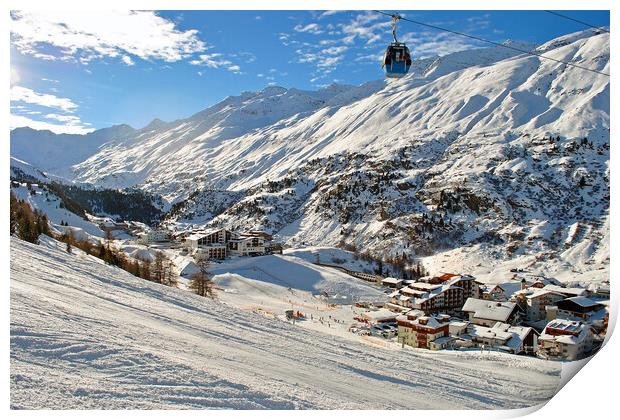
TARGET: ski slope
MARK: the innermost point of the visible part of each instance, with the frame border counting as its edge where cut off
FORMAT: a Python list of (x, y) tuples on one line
[(87, 335)]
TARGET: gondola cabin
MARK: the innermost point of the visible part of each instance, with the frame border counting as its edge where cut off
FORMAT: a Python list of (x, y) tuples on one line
[(397, 60)]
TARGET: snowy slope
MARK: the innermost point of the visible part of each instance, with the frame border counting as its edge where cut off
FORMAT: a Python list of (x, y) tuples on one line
[(87, 335), (50, 204), (296, 273)]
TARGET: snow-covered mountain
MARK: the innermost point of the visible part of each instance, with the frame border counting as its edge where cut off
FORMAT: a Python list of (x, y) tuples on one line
[(487, 146)]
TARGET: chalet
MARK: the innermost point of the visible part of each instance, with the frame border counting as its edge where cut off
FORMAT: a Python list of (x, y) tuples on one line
[(506, 337), (493, 292), (247, 245), (155, 236), (565, 339), (430, 298), (537, 281), (487, 313), (379, 316), (534, 302), (422, 331), (273, 248), (458, 328), (392, 282), (259, 234), (578, 307), (599, 290), (566, 291)]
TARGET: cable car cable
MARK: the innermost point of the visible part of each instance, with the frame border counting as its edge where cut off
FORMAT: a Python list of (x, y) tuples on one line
[(577, 20), (496, 44)]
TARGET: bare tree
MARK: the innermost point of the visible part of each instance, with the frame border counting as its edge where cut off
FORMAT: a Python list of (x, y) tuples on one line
[(201, 282), (170, 276), (158, 268)]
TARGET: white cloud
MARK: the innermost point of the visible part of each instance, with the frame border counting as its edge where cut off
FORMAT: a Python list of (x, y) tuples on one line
[(330, 61), (50, 80), (69, 119), (427, 44), (234, 68), (86, 35), (70, 123), (330, 13), (258, 18), (362, 27), (16, 121), (22, 94), (370, 58), (127, 60), (312, 28), (335, 50)]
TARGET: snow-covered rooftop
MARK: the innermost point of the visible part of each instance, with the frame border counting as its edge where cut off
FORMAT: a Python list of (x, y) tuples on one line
[(484, 309)]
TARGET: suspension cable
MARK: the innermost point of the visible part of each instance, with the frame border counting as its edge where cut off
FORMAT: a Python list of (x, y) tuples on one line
[(533, 53), (577, 20)]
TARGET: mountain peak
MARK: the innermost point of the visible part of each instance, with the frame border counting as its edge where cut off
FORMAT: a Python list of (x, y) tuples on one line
[(273, 90), (154, 125)]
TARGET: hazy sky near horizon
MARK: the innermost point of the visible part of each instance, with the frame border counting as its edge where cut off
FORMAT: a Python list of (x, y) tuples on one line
[(74, 72)]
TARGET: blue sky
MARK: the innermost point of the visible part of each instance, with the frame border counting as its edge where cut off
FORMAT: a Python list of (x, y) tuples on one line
[(73, 72)]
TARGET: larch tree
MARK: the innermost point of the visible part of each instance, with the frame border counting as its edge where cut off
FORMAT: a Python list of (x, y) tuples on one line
[(201, 282)]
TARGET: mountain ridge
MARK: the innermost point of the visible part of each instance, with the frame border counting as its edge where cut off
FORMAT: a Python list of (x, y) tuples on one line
[(486, 146)]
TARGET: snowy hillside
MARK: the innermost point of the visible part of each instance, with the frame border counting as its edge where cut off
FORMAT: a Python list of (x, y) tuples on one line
[(484, 147), (49, 203), (87, 335)]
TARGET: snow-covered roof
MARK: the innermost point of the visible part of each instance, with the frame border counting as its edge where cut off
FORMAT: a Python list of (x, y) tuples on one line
[(442, 340), (394, 294), (534, 292), (490, 287), (484, 309), (391, 280), (576, 331), (427, 321), (578, 291), (494, 333), (198, 235), (409, 290), (424, 286), (582, 301), (379, 315)]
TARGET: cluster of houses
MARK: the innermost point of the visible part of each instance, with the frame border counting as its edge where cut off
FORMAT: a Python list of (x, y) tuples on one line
[(528, 315), (216, 243)]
